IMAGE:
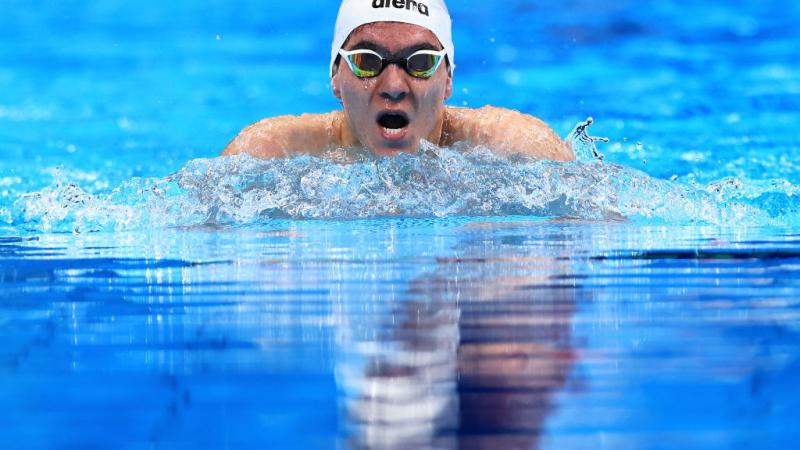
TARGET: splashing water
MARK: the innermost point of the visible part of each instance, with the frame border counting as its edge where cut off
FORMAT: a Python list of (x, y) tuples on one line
[(435, 182), (584, 145)]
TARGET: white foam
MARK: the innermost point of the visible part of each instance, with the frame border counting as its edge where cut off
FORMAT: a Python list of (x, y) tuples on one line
[(436, 182)]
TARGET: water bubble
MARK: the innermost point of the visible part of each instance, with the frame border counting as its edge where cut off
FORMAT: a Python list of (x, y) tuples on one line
[(693, 157), (124, 123), (10, 181), (512, 77), (733, 118)]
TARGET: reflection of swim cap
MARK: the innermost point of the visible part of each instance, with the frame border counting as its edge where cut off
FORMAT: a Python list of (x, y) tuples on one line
[(430, 14)]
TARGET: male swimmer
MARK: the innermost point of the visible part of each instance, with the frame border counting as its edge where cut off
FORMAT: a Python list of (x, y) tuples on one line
[(392, 66)]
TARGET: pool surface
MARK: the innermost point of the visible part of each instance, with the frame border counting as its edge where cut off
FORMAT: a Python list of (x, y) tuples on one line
[(154, 296)]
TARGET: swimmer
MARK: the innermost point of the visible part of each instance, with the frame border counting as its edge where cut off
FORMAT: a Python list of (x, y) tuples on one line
[(392, 65)]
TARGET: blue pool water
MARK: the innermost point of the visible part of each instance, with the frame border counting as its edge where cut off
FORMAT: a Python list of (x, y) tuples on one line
[(153, 295)]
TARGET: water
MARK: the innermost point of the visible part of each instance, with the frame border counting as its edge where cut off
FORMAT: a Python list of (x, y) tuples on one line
[(431, 333), (154, 296)]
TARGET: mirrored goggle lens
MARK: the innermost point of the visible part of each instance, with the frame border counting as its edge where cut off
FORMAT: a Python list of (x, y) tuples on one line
[(366, 64), (423, 65)]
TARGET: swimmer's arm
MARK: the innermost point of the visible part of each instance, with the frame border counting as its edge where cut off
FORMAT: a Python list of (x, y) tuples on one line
[(279, 137), (505, 131)]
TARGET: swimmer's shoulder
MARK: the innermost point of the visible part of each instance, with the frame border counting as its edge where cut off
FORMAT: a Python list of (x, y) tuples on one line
[(281, 136), (504, 130), (489, 117)]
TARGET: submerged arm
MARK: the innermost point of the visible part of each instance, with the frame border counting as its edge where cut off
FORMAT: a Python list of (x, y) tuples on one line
[(278, 137), (505, 131)]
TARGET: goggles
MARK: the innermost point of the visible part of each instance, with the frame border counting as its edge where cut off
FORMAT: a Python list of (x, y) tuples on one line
[(370, 64)]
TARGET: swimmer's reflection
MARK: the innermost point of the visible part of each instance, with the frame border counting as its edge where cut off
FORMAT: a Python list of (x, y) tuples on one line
[(470, 359)]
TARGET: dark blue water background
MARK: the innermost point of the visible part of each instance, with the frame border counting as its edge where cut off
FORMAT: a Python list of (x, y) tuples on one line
[(151, 302)]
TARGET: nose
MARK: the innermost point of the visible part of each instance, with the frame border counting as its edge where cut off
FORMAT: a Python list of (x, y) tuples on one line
[(393, 84)]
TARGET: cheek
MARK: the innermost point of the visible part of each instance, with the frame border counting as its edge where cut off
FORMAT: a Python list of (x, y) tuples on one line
[(356, 95), (435, 95), (432, 98), (356, 100)]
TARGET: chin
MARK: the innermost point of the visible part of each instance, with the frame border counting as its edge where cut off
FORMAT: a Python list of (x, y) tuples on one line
[(393, 148)]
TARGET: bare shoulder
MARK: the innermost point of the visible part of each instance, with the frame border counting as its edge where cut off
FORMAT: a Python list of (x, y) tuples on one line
[(506, 131), (277, 137)]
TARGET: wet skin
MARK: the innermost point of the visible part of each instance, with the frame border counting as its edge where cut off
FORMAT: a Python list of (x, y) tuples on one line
[(393, 91), (421, 101)]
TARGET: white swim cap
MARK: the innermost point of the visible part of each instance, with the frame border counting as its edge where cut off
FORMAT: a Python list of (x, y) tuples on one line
[(430, 14)]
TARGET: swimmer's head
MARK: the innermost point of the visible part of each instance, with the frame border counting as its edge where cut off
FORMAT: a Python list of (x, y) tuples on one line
[(394, 86), (429, 14)]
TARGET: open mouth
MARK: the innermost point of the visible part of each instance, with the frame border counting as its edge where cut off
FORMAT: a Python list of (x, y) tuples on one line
[(393, 121), (393, 124)]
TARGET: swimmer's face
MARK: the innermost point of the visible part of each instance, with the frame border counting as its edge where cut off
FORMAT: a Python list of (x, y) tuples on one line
[(392, 112)]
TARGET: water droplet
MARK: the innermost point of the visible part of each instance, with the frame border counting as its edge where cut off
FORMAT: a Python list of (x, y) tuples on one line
[(583, 144), (733, 118), (512, 77)]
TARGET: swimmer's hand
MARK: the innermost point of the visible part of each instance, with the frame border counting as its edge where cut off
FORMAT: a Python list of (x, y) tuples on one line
[(584, 144), (505, 131)]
